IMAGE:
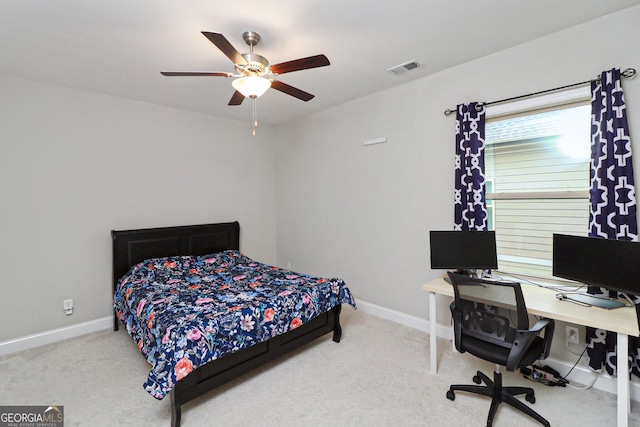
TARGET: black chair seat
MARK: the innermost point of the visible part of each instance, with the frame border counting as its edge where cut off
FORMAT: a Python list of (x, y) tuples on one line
[(498, 354)]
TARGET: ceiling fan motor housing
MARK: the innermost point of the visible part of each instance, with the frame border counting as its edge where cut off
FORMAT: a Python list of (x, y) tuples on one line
[(256, 64)]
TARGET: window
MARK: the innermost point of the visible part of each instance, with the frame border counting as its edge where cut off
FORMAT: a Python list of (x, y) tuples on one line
[(537, 171)]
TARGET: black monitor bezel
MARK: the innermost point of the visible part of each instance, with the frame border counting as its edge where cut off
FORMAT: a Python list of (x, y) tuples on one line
[(485, 240), (604, 263)]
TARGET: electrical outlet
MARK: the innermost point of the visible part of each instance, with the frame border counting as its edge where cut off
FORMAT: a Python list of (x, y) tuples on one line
[(573, 335), (67, 306)]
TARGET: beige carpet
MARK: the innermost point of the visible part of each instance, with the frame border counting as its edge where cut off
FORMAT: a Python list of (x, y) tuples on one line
[(377, 376)]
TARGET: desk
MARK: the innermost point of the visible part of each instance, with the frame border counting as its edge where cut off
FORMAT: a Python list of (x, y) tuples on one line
[(543, 302)]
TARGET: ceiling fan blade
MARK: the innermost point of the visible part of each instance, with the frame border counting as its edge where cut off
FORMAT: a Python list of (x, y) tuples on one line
[(196, 73), (300, 64), (290, 90), (223, 44), (236, 99)]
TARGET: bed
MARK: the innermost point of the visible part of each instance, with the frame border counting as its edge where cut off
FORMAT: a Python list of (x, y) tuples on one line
[(202, 313)]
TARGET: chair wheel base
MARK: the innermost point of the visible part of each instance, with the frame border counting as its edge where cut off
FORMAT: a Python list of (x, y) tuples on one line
[(498, 395)]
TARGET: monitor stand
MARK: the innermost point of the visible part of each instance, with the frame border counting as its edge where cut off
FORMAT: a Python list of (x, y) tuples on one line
[(477, 273), (458, 271), (596, 301), (466, 272)]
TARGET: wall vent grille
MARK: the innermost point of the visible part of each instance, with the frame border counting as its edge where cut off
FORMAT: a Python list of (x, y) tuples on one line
[(403, 68)]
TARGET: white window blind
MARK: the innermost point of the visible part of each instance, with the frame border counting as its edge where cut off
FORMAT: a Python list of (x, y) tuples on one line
[(538, 168)]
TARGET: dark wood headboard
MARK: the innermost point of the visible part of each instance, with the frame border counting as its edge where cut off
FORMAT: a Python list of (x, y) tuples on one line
[(133, 246)]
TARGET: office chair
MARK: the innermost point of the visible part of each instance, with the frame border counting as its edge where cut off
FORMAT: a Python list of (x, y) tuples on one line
[(481, 331)]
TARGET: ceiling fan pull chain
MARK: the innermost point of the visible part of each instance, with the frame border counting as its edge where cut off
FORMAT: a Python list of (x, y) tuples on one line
[(255, 115)]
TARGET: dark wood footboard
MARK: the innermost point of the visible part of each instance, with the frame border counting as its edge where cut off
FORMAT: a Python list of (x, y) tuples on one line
[(234, 365)]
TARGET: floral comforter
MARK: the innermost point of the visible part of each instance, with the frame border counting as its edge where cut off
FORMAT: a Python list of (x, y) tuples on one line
[(186, 311)]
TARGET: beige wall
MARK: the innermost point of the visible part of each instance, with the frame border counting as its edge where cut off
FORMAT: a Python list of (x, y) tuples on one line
[(75, 165)]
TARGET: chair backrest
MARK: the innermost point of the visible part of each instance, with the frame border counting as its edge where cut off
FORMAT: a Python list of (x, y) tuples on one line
[(476, 307)]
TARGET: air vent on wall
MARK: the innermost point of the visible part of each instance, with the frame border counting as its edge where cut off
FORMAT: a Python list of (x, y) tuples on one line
[(403, 68)]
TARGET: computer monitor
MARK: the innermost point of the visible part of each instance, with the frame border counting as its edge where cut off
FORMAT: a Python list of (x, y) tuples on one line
[(463, 251), (606, 263)]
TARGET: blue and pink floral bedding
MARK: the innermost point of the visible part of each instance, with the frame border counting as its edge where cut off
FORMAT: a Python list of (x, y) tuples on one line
[(185, 311)]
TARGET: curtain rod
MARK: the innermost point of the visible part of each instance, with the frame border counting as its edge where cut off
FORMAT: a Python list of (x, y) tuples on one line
[(629, 72)]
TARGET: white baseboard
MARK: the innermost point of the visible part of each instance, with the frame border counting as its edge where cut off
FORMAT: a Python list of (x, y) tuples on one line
[(579, 376), (404, 319), (54, 335)]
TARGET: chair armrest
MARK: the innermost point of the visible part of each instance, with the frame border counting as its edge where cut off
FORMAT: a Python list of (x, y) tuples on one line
[(457, 326), (523, 341), (541, 324), (549, 326)]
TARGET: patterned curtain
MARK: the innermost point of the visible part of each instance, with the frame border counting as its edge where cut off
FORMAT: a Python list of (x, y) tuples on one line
[(612, 200), (469, 204)]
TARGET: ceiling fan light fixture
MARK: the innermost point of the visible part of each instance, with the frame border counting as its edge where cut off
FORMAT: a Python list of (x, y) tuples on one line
[(251, 86)]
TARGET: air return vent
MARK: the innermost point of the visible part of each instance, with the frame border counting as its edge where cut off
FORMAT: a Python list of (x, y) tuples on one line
[(403, 68)]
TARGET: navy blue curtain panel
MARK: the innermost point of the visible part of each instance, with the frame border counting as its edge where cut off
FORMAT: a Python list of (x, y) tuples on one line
[(470, 207), (612, 212)]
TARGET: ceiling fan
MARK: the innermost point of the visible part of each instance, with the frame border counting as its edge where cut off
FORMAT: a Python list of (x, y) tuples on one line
[(254, 74)]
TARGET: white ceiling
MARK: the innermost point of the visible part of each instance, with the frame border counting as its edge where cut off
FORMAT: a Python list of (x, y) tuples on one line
[(119, 47)]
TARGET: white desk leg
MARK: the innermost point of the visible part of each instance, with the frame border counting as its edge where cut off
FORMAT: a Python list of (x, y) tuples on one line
[(433, 332), (623, 379)]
